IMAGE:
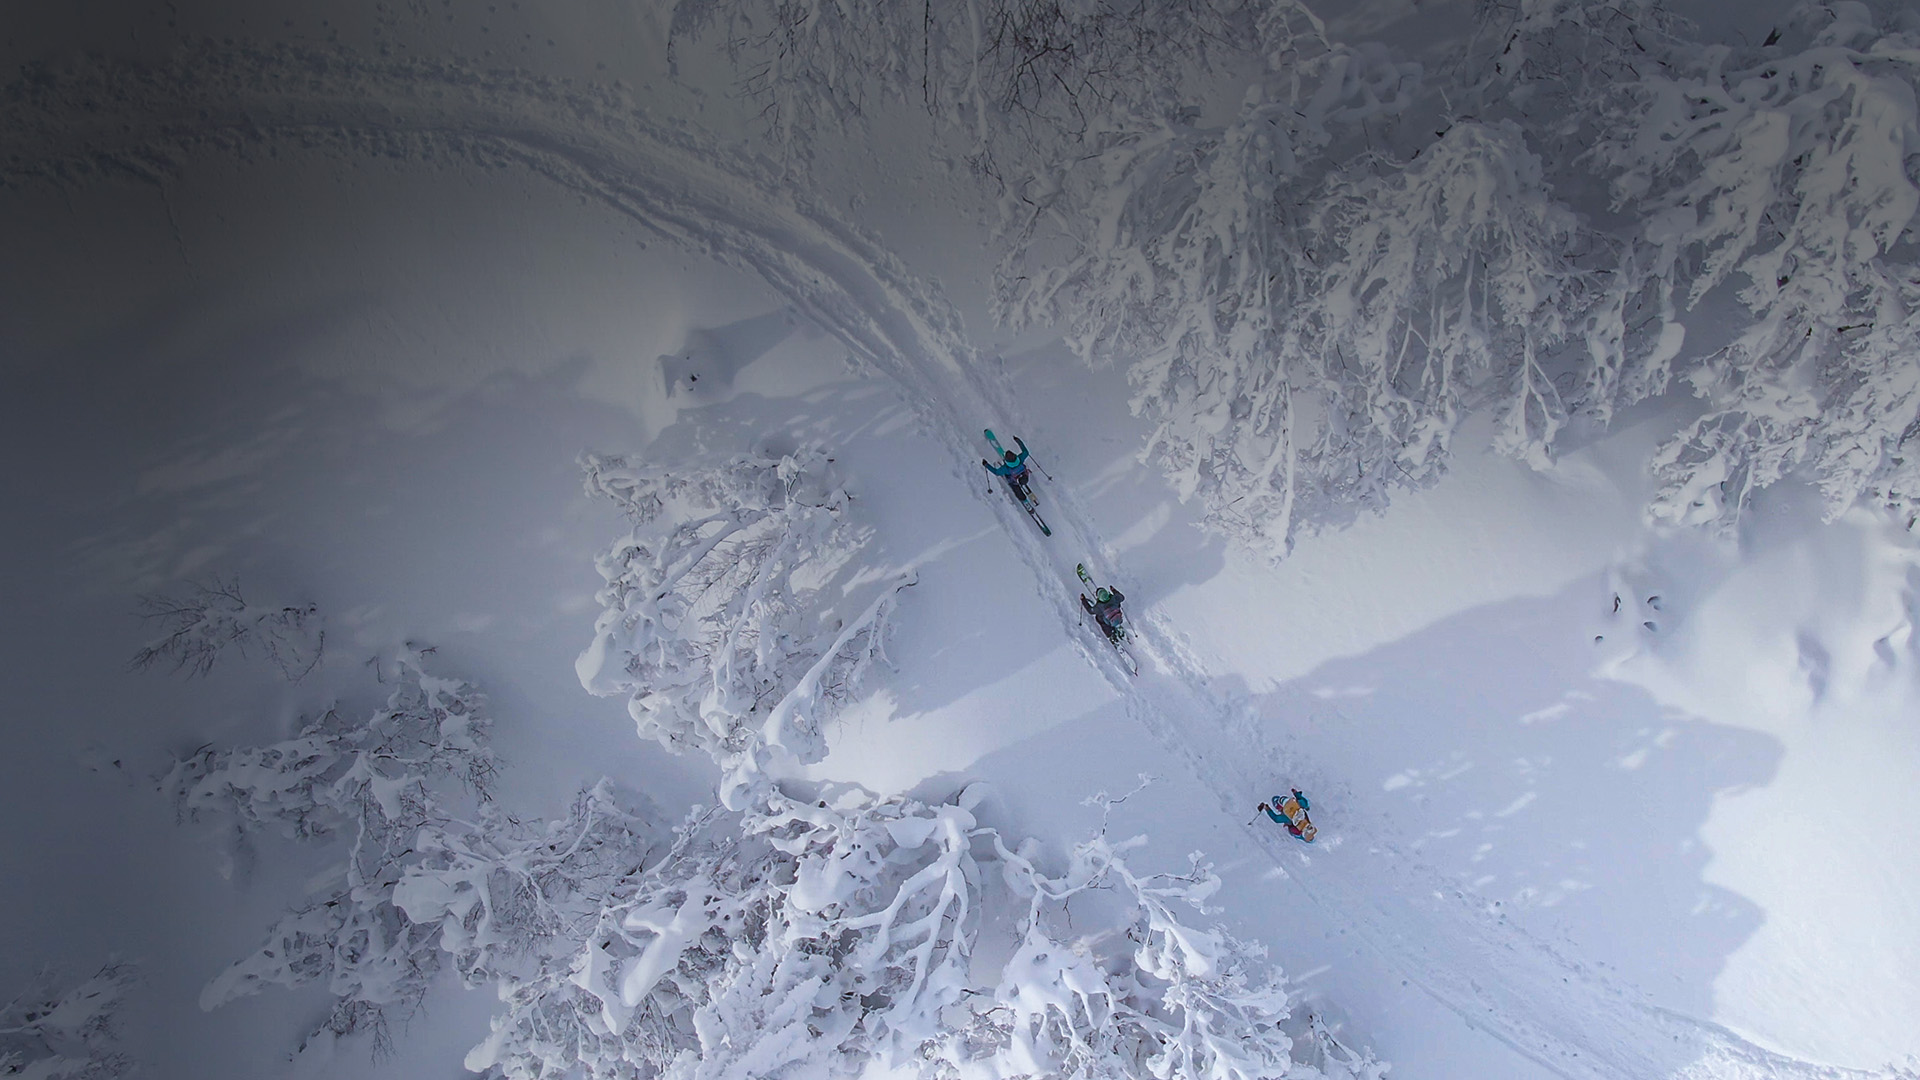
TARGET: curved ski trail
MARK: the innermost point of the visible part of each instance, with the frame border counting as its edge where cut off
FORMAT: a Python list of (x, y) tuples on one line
[(736, 208)]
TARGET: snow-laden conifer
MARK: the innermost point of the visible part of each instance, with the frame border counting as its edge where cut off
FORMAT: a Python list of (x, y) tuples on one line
[(1784, 172), (722, 618)]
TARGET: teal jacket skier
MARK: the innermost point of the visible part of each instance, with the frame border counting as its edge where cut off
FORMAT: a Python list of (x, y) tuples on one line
[(1015, 463), (1013, 468)]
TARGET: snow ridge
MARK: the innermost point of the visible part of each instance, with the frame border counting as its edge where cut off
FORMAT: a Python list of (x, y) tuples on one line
[(105, 118)]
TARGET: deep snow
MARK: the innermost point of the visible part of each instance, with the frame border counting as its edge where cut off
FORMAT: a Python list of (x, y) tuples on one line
[(1673, 851)]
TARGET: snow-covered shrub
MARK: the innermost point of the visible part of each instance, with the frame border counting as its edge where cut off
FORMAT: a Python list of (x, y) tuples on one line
[(383, 784), (212, 617), (821, 938), (718, 616), (1793, 170), (46, 1034)]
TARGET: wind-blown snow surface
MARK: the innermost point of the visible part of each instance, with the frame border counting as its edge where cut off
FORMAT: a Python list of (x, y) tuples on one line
[(1676, 850)]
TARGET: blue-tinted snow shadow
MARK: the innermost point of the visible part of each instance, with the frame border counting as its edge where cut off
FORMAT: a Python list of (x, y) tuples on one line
[(1482, 747), (1082, 431), (145, 455)]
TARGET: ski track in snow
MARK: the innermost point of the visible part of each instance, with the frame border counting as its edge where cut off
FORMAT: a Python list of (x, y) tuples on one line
[(102, 119)]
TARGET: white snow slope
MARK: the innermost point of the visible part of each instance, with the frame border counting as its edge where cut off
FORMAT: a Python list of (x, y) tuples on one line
[(1662, 841)]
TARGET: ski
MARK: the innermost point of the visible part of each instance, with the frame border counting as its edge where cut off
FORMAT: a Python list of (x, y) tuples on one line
[(1037, 519)]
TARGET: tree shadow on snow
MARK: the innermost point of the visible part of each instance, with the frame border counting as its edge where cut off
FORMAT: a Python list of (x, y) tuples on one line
[(1082, 430), (1481, 747)]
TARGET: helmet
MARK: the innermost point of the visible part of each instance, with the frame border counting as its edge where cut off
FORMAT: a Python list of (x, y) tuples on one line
[(1010, 455), (1103, 595)]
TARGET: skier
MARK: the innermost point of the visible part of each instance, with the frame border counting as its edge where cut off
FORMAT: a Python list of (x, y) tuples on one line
[(1013, 470), (1105, 609), (1292, 812)]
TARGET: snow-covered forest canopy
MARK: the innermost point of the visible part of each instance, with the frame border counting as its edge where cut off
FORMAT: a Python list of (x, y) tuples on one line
[(1501, 419), (1319, 289)]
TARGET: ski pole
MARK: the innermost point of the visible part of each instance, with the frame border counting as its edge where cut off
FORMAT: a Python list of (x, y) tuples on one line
[(1042, 468)]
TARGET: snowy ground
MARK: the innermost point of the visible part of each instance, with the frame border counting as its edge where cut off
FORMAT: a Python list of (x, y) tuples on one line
[(1556, 840)]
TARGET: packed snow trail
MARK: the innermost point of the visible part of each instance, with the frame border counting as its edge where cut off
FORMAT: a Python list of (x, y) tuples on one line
[(104, 119)]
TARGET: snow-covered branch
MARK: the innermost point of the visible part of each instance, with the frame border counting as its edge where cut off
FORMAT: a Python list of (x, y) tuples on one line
[(376, 779), (213, 617), (718, 618), (1442, 283), (1175, 1000), (383, 784), (46, 1034)]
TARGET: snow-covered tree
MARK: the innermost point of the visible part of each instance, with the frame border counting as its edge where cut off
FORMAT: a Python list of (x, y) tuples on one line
[(719, 620), (1308, 322), (797, 939), (383, 784), (822, 937), (213, 617), (1550, 54), (48, 1034), (1312, 295), (1442, 283), (1140, 992), (378, 779), (1008, 77), (1790, 168)]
